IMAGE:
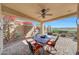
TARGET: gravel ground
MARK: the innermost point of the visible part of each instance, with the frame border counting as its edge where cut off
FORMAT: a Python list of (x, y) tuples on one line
[(18, 48), (64, 46)]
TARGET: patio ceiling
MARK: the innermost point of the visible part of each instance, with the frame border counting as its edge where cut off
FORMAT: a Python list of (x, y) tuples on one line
[(31, 10)]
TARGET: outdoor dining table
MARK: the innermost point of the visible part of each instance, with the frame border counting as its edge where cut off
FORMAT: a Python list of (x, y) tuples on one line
[(43, 39)]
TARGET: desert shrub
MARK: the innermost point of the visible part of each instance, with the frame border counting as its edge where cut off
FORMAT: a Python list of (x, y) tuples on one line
[(56, 31), (49, 33), (63, 35), (59, 31), (54, 34), (75, 39)]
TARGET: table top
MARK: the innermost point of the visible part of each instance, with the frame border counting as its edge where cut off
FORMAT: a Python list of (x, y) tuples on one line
[(43, 39)]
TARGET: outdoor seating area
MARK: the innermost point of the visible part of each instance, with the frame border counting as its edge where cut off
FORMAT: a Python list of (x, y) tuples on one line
[(30, 29)]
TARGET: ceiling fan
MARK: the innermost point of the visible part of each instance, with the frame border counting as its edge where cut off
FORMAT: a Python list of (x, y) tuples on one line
[(44, 12)]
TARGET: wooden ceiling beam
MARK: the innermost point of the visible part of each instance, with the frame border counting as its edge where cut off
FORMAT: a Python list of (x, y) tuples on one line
[(60, 17), (17, 13)]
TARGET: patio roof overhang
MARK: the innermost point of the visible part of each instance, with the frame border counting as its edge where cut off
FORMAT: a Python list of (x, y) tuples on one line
[(31, 10)]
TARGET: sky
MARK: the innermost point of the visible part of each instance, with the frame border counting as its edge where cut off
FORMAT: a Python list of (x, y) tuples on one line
[(63, 23), (60, 23)]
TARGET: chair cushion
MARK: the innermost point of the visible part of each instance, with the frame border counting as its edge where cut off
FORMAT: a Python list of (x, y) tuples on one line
[(50, 43)]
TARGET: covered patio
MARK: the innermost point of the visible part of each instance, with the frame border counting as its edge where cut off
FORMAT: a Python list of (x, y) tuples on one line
[(32, 12)]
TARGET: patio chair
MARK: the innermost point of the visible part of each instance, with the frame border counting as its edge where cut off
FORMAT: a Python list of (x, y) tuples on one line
[(36, 49), (30, 47), (53, 43)]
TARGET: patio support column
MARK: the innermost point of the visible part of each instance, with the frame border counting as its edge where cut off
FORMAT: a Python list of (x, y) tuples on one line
[(78, 31), (1, 31), (78, 40), (42, 28)]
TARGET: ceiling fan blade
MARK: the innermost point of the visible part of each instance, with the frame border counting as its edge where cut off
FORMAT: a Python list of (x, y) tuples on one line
[(47, 9), (40, 16), (38, 13), (49, 14)]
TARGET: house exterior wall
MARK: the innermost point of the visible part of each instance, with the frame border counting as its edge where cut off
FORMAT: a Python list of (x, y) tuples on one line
[(1, 31)]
